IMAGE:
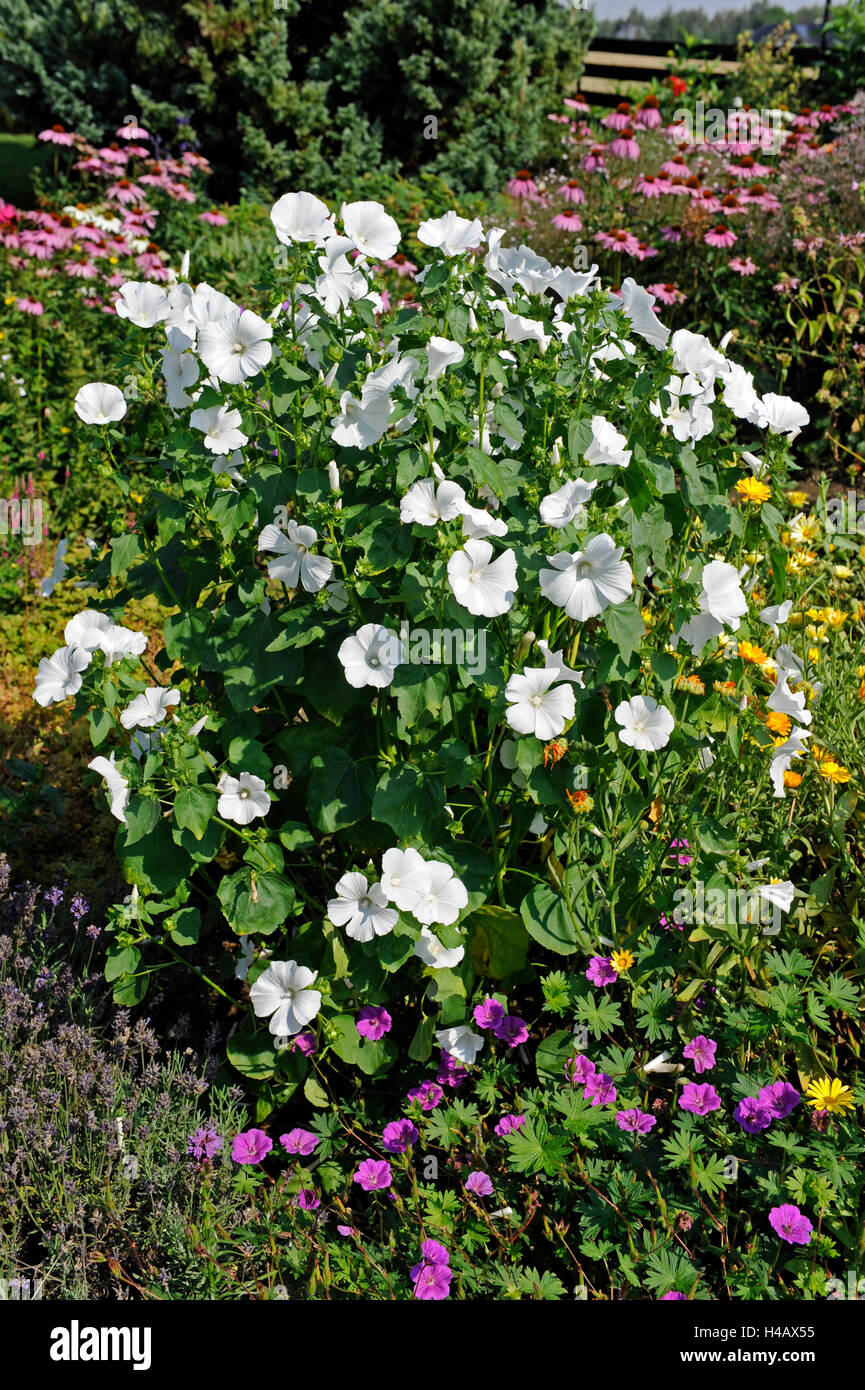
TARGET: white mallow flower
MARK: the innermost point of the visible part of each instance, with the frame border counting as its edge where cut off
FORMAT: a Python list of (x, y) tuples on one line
[(91, 629), (442, 354), (783, 415), (404, 877), (778, 894), (242, 798), (143, 303), (295, 559), (784, 701), (479, 523), (100, 403), (638, 305), (179, 369), (567, 504), (740, 396), (759, 468), (607, 446), (300, 217), (361, 908), (519, 329), (434, 954), (237, 346), (451, 233), (58, 570), (588, 581), (116, 786), (537, 705), (400, 370), (372, 230), (340, 282), (609, 352), (555, 661), (371, 656), (571, 284), (233, 466), (775, 614), (221, 427), (149, 708), (360, 423), (283, 991), (689, 415), (788, 663), (721, 601), (425, 504), (694, 355), (443, 896), (782, 758), (460, 1042), (644, 723), (485, 586), (59, 675)]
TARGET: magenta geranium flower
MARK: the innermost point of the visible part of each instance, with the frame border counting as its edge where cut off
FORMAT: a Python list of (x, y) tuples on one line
[(300, 1141), (701, 1051), (304, 1043), (398, 1136), (579, 1069), (699, 1100), (751, 1115), (480, 1184), (780, 1099), (433, 1282), (307, 1199), (489, 1014), (512, 1030), (601, 972), (451, 1072), (374, 1174), (428, 1093), (508, 1123), (788, 1222), (251, 1146), (373, 1022), (600, 1089), (635, 1121), (673, 1296)]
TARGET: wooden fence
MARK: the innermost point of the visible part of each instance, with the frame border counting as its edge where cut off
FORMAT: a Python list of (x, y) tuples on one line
[(612, 65)]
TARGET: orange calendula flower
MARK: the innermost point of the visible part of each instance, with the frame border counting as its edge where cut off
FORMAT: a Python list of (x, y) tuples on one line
[(830, 1094), (581, 802), (622, 960), (779, 723), (752, 490), (792, 780), (861, 691), (749, 651), (724, 687), (691, 683), (555, 751)]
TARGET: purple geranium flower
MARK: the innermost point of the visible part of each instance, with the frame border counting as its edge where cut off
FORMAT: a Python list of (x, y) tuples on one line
[(512, 1030), (780, 1099), (489, 1014), (480, 1183), (600, 1089), (673, 1295), (433, 1281), (508, 1123), (204, 1142), (751, 1115), (373, 1174), (701, 1051), (304, 1043), (299, 1141), (788, 1222), (579, 1069), (428, 1093), (307, 1199), (450, 1072), (398, 1136), (699, 1100), (636, 1121), (251, 1146), (373, 1022), (601, 972)]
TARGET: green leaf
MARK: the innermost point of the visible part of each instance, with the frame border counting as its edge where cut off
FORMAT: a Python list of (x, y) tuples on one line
[(256, 902), (194, 808), (315, 1094), (252, 1054), (625, 625), (499, 944), (184, 926), (547, 919), (409, 801), (340, 790)]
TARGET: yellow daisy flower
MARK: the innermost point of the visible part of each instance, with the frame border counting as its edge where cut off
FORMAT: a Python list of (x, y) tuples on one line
[(829, 767), (797, 498), (830, 1094), (622, 960), (752, 490), (749, 651)]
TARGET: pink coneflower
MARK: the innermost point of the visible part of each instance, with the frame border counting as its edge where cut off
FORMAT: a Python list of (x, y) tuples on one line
[(709, 200), (647, 114), (571, 192), (676, 165), (721, 236), (125, 192), (30, 306), (213, 218), (559, 120), (678, 186), (567, 221), (112, 154), (625, 146), (671, 234), (594, 160), (748, 168), (131, 131), (401, 264), (666, 293), (619, 240), (8, 211), (522, 185), (743, 267), (620, 118), (651, 186), (578, 103), (644, 252), (730, 205), (57, 136)]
